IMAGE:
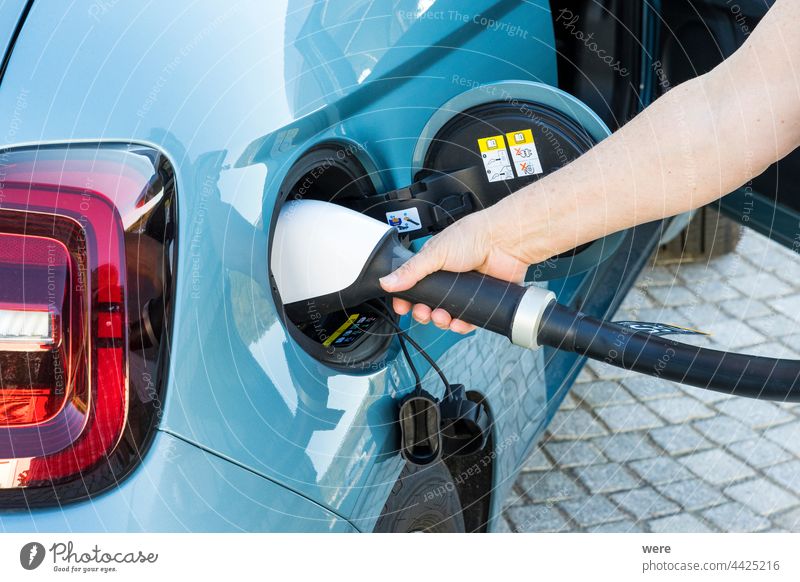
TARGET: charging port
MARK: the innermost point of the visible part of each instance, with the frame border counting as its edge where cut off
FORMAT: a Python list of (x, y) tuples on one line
[(354, 338)]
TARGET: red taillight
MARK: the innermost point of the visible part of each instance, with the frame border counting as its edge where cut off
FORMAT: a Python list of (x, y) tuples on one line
[(34, 358), (64, 394)]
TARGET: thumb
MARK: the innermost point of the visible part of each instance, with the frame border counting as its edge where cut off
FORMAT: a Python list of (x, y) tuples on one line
[(409, 273)]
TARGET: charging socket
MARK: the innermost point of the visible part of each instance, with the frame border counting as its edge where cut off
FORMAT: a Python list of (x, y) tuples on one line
[(356, 338)]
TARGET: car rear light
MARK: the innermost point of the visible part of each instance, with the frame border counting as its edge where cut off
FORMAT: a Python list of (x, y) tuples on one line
[(34, 352), (85, 241)]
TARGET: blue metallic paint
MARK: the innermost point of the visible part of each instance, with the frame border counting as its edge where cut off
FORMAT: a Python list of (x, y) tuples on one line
[(181, 488), (234, 96)]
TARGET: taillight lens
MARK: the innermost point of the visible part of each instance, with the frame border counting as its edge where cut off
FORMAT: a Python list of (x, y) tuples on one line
[(85, 238), (38, 362)]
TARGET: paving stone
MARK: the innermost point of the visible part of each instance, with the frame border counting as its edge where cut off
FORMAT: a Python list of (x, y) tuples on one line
[(575, 424), (788, 270), (702, 317), (585, 375), (574, 453), (515, 497), (792, 342), (537, 518), (657, 276), (660, 470), (787, 474), (719, 290), (645, 503), (760, 453), (772, 262), (606, 478), (501, 526), (680, 523), (716, 466), (789, 306), (774, 325), (602, 393), (589, 511), (674, 295), (537, 461), (789, 520), (649, 388), (699, 272), (762, 496), (793, 407), (755, 413), (635, 300), (569, 402), (623, 448), (735, 518), (692, 494), (628, 314), (771, 350), (732, 266), (624, 526), (786, 435), (680, 410), (707, 396), (724, 430), (761, 286), (731, 334), (607, 371), (628, 417), (549, 486), (679, 439), (746, 308), (757, 248)]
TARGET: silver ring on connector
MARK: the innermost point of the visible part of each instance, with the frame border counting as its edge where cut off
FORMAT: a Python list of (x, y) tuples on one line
[(528, 316)]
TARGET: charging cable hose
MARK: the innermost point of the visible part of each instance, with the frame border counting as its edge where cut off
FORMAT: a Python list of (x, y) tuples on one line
[(319, 269), (530, 317), (729, 372)]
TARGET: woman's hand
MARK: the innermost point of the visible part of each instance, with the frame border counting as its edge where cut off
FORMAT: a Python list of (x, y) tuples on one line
[(477, 242)]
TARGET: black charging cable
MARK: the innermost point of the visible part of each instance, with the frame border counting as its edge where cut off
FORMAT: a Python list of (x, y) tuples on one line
[(417, 379), (403, 336), (731, 373)]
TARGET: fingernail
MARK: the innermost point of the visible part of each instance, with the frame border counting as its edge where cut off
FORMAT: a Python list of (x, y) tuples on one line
[(389, 280)]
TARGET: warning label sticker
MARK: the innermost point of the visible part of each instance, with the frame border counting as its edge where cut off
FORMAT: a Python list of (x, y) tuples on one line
[(523, 152), (495, 158), (404, 220)]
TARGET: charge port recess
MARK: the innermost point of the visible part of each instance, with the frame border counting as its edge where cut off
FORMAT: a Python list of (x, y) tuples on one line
[(353, 339)]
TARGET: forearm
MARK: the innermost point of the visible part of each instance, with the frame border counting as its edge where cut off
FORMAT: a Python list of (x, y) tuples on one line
[(660, 164), (700, 141)]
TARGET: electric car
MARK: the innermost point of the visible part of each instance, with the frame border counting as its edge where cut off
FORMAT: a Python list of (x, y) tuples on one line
[(151, 378)]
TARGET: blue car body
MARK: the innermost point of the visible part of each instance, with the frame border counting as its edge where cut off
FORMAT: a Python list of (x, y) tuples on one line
[(233, 94)]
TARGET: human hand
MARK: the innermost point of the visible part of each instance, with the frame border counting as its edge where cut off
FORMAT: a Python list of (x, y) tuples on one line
[(478, 242)]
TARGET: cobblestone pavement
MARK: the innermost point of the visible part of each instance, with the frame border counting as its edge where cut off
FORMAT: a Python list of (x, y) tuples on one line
[(633, 453)]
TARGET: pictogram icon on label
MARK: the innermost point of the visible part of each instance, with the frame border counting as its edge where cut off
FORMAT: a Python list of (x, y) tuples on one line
[(495, 158), (523, 152), (404, 220)]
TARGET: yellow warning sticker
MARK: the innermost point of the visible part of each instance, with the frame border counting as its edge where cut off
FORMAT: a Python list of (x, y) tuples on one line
[(523, 153), (342, 328), (495, 158)]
